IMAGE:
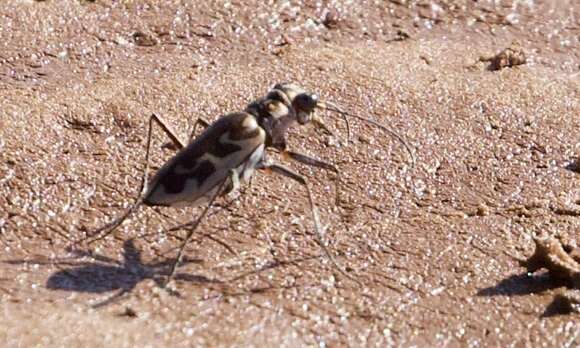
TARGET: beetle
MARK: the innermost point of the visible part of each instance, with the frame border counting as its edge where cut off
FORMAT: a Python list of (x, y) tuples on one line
[(226, 154)]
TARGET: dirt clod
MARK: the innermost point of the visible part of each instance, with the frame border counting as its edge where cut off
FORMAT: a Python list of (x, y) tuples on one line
[(129, 312), (551, 254), (574, 165), (143, 39), (331, 19), (509, 57)]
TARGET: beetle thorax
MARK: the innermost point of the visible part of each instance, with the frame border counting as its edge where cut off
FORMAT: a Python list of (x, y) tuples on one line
[(275, 118), (284, 105)]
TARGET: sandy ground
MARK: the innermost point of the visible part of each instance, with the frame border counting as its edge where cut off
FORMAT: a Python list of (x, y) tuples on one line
[(434, 246)]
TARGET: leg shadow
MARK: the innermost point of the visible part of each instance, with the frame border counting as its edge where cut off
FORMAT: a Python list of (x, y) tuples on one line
[(103, 274), (559, 306), (522, 284)]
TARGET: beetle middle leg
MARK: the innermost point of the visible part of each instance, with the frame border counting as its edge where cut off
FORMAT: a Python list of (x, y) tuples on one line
[(108, 228), (176, 143), (193, 227), (199, 122)]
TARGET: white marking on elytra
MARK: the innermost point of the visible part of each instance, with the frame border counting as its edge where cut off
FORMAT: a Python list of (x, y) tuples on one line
[(190, 184), (215, 160), (243, 171), (250, 123)]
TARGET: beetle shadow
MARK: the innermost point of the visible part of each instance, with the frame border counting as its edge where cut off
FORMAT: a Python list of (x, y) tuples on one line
[(522, 284), (103, 274)]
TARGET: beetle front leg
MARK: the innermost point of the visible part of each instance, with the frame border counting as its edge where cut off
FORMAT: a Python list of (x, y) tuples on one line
[(313, 162), (279, 169), (233, 185), (319, 123)]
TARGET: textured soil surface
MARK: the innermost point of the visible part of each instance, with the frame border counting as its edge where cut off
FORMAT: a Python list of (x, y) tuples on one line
[(435, 247)]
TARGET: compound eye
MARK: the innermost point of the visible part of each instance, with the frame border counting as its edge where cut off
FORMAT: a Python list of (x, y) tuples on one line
[(306, 102)]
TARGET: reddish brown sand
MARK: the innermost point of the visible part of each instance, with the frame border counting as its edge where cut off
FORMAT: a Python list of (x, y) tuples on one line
[(498, 158)]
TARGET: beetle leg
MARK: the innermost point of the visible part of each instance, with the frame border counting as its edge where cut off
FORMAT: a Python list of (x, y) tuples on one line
[(279, 169), (199, 122), (317, 121), (313, 162), (234, 184), (193, 228), (309, 161), (168, 130), (108, 228)]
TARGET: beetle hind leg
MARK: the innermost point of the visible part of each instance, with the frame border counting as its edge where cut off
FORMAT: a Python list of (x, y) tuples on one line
[(233, 185), (110, 227), (192, 229)]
